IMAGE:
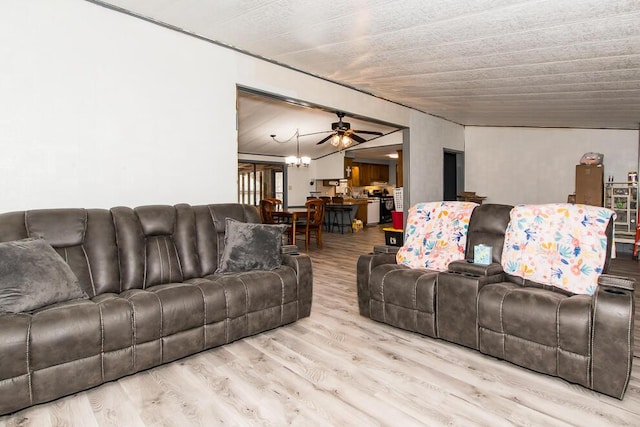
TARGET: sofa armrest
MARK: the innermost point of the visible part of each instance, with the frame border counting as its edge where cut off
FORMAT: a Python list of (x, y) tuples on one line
[(612, 335), (468, 267), (385, 249), (289, 249), (301, 264), (366, 263), (617, 282)]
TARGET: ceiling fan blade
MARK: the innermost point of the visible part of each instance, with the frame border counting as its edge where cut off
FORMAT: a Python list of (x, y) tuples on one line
[(357, 138), (325, 139), (369, 132)]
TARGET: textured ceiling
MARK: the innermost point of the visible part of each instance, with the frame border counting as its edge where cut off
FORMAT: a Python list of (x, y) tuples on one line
[(548, 63)]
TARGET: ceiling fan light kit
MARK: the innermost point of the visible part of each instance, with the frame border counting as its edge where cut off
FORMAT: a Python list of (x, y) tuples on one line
[(341, 141), (342, 136)]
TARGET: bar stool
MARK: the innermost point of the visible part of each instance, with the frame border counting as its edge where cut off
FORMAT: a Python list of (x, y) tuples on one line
[(339, 211)]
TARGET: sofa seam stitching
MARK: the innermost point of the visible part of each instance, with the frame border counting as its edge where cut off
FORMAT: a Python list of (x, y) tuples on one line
[(282, 290), (593, 334), (157, 245), (204, 325), (177, 254), (29, 376), (504, 341), (161, 335), (86, 257), (134, 335), (101, 341), (558, 347), (629, 349), (226, 320)]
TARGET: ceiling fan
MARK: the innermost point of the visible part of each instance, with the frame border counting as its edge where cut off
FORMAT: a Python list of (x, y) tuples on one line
[(342, 135)]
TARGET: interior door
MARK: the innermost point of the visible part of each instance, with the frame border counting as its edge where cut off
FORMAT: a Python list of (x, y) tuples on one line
[(450, 190)]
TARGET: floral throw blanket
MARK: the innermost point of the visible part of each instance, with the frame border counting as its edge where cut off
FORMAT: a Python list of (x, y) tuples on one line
[(436, 234), (558, 244)]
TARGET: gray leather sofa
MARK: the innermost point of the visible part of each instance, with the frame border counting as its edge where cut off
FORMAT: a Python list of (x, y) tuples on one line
[(584, 339), (153, 296)]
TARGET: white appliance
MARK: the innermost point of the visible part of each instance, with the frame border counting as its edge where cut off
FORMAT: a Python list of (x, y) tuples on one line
[(341, 187), (373, 211)]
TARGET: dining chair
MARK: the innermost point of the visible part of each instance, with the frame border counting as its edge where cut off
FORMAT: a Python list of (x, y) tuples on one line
[(313, 222), (327, 213), (277, 203), (267, 207)]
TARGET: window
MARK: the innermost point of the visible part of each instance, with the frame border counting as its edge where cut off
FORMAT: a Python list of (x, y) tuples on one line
[(257, 181)]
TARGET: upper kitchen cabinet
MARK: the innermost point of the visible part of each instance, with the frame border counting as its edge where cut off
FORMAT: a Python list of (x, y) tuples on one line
[(363, 174)]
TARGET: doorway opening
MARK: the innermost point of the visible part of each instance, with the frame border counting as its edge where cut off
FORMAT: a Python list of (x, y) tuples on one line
[(257, 180), (453, 174)]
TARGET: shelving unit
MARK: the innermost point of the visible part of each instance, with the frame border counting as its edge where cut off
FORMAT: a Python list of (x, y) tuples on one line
[(622, 197)]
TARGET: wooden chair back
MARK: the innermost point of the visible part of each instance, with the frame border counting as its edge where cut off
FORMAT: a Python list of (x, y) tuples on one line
[(267, 207), (315, 212), (277, 203), (314, 222)]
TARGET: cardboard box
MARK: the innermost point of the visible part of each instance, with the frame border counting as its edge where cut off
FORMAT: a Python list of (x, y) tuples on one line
[(393, 236), (590, 184)]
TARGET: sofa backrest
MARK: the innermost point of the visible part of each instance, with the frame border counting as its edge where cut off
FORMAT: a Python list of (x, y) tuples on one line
[(84, 238), (563, 245), (125, 248), (487, 226), (156, 244), (435, 235), (210, 226)]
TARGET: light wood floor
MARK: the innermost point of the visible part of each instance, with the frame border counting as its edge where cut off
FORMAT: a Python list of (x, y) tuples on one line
[(337, 368)]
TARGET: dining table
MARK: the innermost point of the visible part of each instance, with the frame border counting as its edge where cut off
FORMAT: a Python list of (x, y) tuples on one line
[(291, 216)]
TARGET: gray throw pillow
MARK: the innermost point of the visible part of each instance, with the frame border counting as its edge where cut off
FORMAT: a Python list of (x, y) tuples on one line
[(249, 246), (33, 275)]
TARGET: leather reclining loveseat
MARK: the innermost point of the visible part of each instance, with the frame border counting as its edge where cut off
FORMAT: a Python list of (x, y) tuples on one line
[(152, 296), (584, 339)]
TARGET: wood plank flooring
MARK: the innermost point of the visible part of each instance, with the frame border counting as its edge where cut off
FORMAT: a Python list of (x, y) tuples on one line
[(337, 368)]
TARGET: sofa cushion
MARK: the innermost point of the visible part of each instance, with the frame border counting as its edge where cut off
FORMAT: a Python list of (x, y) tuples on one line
[(33, 275), (251, 247), (558, 244), (436, 234)]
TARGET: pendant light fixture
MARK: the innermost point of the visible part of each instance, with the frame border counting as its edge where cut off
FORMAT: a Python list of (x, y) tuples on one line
[(296, 160)]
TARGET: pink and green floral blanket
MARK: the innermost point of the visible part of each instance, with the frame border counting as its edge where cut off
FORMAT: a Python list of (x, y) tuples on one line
[(436, 234), (558, 244)]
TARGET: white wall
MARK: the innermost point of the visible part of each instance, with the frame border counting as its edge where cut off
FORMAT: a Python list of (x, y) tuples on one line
[(101, 109), (429, 137), (531, 165)]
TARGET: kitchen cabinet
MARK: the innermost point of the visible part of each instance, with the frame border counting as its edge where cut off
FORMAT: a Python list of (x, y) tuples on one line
[(363, 174), (355, 176), (379, 173)]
